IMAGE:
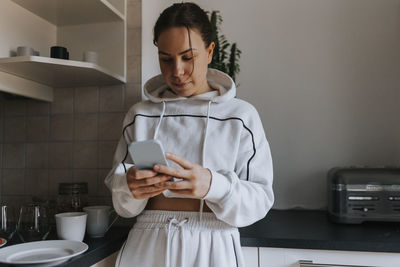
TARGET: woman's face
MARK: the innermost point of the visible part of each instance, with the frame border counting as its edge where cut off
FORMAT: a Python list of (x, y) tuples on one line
[(184, 68)]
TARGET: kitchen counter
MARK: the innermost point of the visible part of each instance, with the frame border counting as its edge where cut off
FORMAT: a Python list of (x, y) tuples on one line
[(307, 229), (303, 229), (99, 248)]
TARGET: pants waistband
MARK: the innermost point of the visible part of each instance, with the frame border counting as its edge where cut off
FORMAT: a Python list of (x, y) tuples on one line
[(150, 219)]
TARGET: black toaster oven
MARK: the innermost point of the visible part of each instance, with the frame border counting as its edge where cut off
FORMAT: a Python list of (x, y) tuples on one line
[(358, 194)]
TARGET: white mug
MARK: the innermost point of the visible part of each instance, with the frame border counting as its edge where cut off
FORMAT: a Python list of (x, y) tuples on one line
[(91, 56), (71, 225), (25, 51), (98, 222)]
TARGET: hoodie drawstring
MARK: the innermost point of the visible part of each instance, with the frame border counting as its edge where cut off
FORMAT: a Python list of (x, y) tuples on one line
[(174, 221), (203, 156), (178, 224), (159, 122)]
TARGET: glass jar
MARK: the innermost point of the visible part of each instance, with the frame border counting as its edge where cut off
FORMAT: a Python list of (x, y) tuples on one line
[(72, 197)]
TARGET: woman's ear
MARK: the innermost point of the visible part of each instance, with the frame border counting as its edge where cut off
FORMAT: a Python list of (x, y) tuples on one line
[(210, 50)]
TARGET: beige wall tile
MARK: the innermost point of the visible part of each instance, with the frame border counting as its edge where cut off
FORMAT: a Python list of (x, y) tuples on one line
[(14, 129), (134, 14), (102, 188), (37, 182), (134, 41), (13, 182), (112, 98), (61, 127), (85, 155), (86, 99), (110, 126), (37, 128), (63, 101), (37, 155), (37, 108), (1, 129), (85, 126), (14, 108), (106, 153), (134, 74), (60, 155), (133, 94), (14, 155), (1, 160), (2, 101)]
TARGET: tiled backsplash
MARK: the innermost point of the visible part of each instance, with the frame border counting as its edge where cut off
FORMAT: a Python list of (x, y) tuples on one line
[(72, 139)]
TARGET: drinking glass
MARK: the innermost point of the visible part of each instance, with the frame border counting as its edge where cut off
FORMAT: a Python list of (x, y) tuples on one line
[(8, 222), (33, 223)]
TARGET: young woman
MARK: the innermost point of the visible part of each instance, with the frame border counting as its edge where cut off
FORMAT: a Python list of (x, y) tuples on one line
[(216, 145)]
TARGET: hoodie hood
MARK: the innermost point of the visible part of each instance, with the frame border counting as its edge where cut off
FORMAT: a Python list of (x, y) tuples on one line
[(157, 91)]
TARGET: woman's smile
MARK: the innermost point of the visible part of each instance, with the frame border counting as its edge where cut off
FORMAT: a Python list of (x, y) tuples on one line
[(181, 85)]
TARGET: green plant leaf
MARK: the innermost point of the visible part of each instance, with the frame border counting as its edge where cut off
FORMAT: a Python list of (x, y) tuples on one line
[(226, 56)]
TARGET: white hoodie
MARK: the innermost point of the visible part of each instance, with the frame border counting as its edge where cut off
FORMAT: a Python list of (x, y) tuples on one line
[(214, 129)]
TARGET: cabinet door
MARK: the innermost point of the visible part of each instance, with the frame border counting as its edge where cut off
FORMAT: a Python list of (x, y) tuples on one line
[(250, 255), (272, 257), (275, 257)]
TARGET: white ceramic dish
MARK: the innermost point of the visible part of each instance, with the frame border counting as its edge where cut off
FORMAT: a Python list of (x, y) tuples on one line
[(43, 253)]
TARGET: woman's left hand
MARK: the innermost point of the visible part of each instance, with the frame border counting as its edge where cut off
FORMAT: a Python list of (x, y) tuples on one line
[(196, 179)]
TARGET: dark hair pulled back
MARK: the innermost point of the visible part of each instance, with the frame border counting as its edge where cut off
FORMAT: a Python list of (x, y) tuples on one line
[(188, 15)]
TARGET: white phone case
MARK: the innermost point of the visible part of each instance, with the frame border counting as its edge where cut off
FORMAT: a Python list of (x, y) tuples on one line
[(145, 154)]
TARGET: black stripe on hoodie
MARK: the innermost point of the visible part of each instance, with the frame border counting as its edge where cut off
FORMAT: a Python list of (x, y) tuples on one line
[(195, 116)]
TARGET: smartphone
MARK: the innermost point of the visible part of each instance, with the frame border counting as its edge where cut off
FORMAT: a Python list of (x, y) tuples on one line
[(146, 154)]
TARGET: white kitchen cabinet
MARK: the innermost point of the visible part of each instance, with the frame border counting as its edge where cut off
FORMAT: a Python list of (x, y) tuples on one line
[(250, 255), (90, 25), (282, 257)]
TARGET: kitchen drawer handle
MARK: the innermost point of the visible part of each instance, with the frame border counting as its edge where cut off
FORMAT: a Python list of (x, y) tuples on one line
[(307, 263)]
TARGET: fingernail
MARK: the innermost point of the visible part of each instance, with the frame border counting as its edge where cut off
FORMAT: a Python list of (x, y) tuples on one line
[(156, 167), (168, 154)]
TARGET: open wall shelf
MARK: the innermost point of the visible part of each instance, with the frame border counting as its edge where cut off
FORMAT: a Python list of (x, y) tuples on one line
[(88, 25), (59, 72)]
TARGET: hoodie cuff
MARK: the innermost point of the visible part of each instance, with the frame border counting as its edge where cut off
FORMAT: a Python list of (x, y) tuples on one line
[(119, 183), (219, 188)]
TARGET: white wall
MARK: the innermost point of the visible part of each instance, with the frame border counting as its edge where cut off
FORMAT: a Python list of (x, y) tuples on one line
[(324, 76)]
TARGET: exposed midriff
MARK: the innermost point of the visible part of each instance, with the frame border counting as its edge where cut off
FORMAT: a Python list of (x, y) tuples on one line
[(161, 202)]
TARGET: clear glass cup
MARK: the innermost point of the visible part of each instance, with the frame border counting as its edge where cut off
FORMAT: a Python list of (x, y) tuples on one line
[(8, 222), (33, 223)]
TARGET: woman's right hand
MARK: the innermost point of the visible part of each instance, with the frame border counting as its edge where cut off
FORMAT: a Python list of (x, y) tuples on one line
[(142, 183)]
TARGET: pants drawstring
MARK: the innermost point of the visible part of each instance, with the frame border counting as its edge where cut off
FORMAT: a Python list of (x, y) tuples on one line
[(176, 223)]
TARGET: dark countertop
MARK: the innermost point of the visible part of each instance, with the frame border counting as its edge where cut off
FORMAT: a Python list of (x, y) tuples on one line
[(307, 229), (303, 229)]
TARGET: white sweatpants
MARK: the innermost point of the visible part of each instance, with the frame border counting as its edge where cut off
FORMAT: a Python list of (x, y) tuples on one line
[(178, 238)]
